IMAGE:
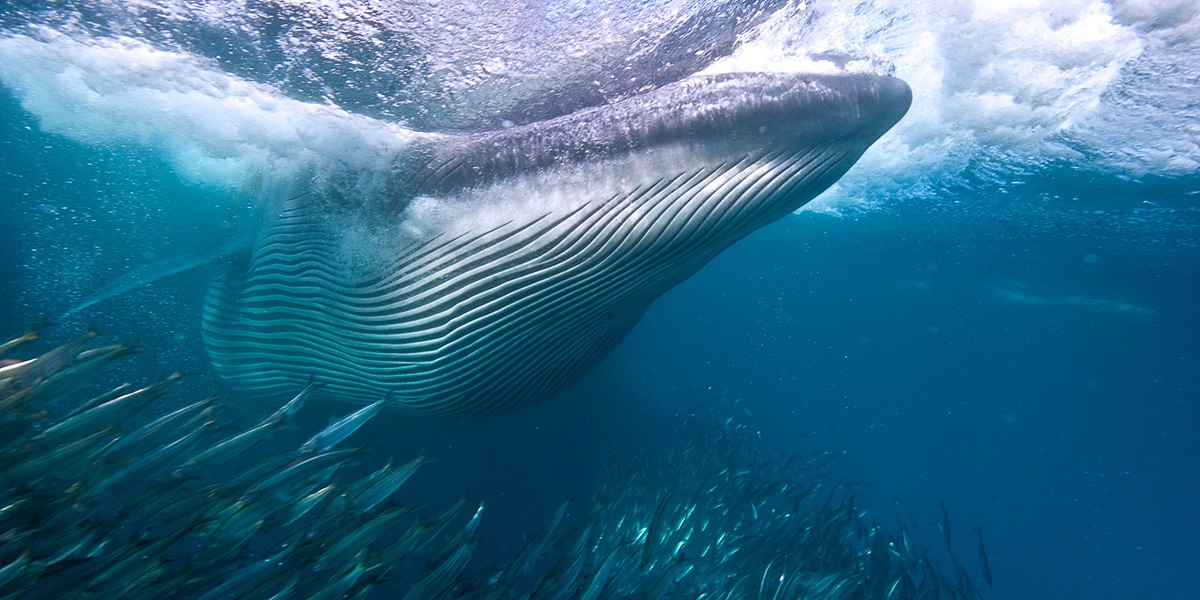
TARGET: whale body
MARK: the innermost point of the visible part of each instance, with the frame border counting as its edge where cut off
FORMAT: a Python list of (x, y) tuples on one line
[(501, 265)]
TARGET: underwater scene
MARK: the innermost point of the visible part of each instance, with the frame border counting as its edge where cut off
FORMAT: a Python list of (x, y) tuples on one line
[(722, 299)]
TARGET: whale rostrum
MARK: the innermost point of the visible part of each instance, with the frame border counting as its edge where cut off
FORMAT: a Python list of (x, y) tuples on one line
[(502, 265)]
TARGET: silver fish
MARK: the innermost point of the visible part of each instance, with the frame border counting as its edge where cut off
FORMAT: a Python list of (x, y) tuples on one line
[(341, 429)]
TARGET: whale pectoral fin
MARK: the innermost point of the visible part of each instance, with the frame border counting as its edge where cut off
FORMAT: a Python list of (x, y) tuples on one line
[(163, 269)]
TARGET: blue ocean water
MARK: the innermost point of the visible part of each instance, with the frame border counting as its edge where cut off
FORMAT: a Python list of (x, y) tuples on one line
[(995, 309)]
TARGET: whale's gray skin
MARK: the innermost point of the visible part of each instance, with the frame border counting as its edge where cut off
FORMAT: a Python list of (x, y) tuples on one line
[(502, 265)]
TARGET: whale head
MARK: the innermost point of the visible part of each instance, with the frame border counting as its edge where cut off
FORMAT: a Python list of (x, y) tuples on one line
[(501, 265)]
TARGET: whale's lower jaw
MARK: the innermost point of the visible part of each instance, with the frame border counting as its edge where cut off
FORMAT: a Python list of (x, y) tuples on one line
[(477, 321)]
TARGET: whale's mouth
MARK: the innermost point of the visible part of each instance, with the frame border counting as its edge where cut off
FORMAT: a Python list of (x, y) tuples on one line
[(509, 262), (734, 113)]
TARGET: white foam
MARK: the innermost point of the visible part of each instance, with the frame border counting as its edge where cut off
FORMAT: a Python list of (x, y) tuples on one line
[(998, 86), (215, 128), (1015, 84)]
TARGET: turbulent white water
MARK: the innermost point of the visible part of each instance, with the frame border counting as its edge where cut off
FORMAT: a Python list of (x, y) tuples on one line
[(216, 128), (1000, 88), (1010, 87)]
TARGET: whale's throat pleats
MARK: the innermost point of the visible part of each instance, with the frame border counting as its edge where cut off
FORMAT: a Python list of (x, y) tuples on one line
[(485, 320), (499, 293)]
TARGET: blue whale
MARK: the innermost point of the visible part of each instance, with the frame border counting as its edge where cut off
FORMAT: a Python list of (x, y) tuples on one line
[(501, 265)]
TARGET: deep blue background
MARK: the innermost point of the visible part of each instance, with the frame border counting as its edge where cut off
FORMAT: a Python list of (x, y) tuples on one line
[(1064, 425)]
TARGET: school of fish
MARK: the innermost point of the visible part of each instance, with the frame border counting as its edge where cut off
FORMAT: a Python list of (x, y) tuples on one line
[(98, 499)]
